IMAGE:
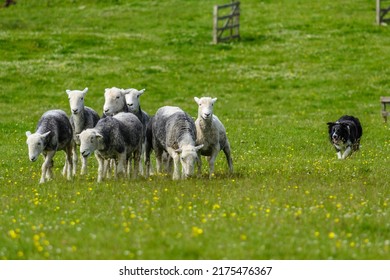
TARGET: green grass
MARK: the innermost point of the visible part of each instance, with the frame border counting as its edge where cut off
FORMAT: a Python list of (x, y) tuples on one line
[(298, 65)]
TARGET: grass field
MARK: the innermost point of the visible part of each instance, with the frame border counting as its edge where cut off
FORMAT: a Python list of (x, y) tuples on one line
[(298, 65)]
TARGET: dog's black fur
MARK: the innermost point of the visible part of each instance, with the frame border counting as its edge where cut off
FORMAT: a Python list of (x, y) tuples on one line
[(345, 135)]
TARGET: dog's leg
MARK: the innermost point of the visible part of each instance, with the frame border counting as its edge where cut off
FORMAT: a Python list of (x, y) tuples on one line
[(346, 152), (339, 156)]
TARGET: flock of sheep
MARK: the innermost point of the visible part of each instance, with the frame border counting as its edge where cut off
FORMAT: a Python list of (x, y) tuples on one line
[(125, 134)]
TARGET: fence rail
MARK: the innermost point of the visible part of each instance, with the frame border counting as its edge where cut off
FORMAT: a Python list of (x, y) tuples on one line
[(230, 22)]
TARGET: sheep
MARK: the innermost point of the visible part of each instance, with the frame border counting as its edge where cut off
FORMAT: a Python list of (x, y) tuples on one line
[(53, 133), (174, 131), (82, 117), (211, 134), (114, 101), (112, 138), (134, 149), (132, 97), (166, 160)]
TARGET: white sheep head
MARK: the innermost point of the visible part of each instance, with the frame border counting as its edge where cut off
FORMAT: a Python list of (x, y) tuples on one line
[(188, 158), (76, 100), (36, 144), (90, 141), (206, 106), (132, 99), (114, 101)]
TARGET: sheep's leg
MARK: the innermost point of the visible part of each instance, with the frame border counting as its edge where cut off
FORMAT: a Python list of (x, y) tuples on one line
[(69, 160), (176, 164), (226, 150), (142, 158), (101, 167), (120, 168), (137, 163), (84, 165), (107, 168), (199, 165), (46, 166), (128, 167), (75, 159), (211, 161), (167, 162), (158, 161), (63, 172)]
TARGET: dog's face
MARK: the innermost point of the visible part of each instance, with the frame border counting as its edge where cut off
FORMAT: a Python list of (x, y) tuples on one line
[(338, 133)]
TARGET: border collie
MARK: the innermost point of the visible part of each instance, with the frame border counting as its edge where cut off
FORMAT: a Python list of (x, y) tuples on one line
[(345, 135)]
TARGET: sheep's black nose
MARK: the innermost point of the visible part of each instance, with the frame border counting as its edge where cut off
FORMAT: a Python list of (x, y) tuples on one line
[(75, 111)]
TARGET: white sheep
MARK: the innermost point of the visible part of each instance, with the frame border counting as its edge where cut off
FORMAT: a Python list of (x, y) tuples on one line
[(132, 97), (174, 132), (112, 138), (53, 133), (211, 134), (81, 118), (114, 101)]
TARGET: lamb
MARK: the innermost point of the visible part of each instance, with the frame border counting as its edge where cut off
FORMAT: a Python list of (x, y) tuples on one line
[(211, 134), (53, 133), (82, 117), (174, 131), (113, 138), (114, 101), (132, 97)]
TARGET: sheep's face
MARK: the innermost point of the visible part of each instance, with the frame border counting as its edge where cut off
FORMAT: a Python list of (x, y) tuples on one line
[(188, 158), (36, 144), (132, 99), (76, 100), (206, 107), (114, 101), (89, 142)]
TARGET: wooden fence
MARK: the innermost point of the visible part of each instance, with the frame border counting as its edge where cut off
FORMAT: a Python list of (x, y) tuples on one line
[(381, 11), (226, 22)]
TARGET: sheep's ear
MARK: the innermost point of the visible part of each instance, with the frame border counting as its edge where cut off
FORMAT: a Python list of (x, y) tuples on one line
[(44, 135), (196, 99), (214, 100), (197, 148), (100, 142), (28, 133), (178, 151), (140, 92), (68, 91), (85, 91)]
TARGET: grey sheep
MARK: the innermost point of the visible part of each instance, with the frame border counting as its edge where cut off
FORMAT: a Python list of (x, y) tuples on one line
[(53, 133), (112, 138), (174, 132)]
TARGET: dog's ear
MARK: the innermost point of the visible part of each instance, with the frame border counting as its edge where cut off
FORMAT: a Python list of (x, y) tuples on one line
[(331, 124)]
